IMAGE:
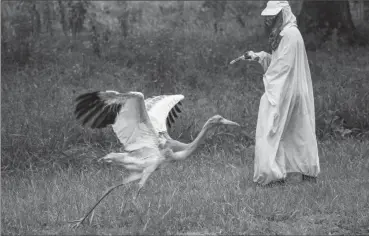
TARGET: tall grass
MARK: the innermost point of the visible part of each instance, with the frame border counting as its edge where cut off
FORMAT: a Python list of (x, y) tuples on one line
[(49, 172), (210, 194)]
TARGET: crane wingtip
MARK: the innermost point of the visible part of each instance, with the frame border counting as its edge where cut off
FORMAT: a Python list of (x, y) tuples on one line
[(93, 107), (87, 95)]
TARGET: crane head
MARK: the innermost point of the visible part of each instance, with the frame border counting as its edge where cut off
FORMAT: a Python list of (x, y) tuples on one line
[(219, 120)]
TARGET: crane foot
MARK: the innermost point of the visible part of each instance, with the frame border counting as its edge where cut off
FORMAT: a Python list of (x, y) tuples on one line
[(76, 223)]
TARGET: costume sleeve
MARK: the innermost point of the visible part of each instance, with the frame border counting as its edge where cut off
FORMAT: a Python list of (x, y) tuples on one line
[(264, 60), (280, 71)]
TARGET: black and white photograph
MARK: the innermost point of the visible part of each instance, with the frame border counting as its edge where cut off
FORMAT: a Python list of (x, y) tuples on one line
[(215, 117)]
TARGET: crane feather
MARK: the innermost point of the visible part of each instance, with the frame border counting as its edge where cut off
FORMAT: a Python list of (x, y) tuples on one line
[(127, 114), (137, 122), (171, 117), (174, 113), (177, 109), (161, 110)]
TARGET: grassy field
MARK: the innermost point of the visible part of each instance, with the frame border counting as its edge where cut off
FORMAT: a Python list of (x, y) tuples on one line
[(49, 173), (211, 193)]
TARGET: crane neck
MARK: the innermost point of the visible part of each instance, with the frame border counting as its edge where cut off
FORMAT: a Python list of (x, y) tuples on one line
[(191, 147)]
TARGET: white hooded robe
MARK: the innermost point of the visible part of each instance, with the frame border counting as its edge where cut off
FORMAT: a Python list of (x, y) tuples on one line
[(285, 134)]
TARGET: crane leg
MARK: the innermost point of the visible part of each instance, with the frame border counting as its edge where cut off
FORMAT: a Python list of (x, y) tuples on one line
[(145, 175), (132, 177)]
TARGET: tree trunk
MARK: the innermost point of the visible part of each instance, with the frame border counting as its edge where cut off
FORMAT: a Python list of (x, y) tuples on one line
[(36, 21), (47, 18), (320, 18), (63, 21)]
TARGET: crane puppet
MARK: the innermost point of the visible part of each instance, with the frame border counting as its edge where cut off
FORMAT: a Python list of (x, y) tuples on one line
[(141, 126)]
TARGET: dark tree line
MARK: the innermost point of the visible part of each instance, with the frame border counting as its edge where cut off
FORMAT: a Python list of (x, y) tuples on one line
[(326, 17), (321, 18)]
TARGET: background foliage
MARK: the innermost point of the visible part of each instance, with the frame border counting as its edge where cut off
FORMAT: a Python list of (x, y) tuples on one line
[(55, 50)]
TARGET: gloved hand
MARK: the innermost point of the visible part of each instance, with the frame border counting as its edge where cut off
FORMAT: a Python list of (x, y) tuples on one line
[(251, 56)]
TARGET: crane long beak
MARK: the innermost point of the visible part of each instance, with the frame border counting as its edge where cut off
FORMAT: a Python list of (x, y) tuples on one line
[(228, 122)]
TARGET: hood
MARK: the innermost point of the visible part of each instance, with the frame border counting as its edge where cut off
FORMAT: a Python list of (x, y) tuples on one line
[(289, 19)]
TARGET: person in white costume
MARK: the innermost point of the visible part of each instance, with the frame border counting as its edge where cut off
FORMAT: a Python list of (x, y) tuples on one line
[(285, 139)]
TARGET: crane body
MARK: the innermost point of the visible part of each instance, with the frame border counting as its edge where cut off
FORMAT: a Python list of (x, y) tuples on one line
[(141, 126)]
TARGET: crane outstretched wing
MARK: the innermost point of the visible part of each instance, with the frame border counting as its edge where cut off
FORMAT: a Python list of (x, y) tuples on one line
[(126, 112), (163, 110)]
